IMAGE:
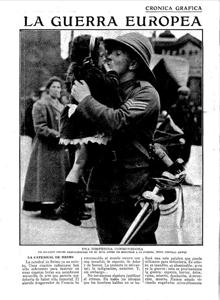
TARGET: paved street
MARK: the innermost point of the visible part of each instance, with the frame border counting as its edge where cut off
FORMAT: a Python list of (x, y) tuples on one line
[(37, 231)]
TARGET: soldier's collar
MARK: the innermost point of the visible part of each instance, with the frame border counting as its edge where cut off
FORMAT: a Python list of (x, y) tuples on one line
[(127, 84)]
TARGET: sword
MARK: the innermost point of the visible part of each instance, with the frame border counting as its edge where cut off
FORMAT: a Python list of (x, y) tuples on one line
[(151, 199)]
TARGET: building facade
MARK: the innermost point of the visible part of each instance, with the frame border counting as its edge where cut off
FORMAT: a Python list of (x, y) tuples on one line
[(186, 46)]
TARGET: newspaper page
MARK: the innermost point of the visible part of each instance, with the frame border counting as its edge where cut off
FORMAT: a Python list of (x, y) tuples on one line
[(68, 243)]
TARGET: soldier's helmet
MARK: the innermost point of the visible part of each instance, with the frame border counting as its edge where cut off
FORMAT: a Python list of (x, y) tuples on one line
[(140, 46)]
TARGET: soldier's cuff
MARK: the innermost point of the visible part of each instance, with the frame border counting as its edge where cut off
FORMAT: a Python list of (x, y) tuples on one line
[(87, 98), (85, 103)]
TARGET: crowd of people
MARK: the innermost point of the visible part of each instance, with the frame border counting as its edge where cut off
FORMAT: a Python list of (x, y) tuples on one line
[(84, 138)]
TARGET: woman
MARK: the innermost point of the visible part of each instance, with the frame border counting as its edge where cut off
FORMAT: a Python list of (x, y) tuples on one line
[(87, 63), (49, 162)]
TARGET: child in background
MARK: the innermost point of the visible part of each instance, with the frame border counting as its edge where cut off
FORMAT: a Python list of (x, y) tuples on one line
[(87, 63)]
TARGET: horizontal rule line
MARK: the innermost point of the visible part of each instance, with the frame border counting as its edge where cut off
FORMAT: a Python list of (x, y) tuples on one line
[(174, 11)]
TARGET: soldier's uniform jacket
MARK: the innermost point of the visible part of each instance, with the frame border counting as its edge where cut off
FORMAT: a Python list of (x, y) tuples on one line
[(123, 171)]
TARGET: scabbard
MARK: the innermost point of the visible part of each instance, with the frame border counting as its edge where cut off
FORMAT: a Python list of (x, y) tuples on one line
[(137, 224)]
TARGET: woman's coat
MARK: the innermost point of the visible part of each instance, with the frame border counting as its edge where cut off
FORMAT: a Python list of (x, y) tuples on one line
[(49, 161)]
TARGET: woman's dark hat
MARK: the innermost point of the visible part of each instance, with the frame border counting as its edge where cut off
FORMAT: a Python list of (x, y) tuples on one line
[(51, 80), (140, 46)]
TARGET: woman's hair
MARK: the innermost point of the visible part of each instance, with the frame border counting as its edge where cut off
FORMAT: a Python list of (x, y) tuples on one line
[(84, 56), (85, 46), (53, 79)]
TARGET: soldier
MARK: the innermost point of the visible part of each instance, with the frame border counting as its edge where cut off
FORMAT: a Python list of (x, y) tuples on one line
[(182, 116), (122, 172)]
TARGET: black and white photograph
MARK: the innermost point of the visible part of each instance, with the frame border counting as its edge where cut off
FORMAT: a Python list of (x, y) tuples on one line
[(110, 160), (111, 139)]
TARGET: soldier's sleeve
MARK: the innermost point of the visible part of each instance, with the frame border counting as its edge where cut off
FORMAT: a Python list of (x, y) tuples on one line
[(40, 119), (142, 104)]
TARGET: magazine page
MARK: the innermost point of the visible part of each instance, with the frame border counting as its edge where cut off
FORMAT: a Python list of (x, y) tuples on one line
[(110, 149)]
